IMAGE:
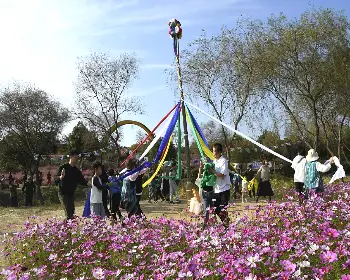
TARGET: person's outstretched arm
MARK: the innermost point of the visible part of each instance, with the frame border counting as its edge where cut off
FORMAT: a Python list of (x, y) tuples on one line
[(323, 167), (81, 179)]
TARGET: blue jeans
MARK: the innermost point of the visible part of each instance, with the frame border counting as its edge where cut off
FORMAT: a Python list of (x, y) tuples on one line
[(208, 203)]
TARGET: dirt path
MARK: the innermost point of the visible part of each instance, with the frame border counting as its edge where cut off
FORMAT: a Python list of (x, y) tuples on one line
[(13, 219)]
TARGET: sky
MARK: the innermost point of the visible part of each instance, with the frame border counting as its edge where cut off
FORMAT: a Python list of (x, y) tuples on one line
[(41, 40)]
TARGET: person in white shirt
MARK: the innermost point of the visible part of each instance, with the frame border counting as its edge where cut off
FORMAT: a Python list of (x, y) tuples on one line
[(223, 184), (298, 165), (313, 169), (96, 202)]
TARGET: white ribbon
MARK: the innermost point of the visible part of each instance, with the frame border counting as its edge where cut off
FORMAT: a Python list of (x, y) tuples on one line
[(340, 173), (241, 134), (160, 134)]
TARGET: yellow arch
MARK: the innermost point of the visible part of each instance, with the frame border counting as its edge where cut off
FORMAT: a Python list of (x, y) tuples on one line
[(125, 122)]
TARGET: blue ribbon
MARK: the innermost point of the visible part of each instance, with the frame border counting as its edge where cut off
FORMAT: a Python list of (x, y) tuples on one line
[(175, 46), (145, 164), (168, 133), (198, 128), (87, 209)]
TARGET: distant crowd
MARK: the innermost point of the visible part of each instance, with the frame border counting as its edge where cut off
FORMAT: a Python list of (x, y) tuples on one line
[(31, 184)]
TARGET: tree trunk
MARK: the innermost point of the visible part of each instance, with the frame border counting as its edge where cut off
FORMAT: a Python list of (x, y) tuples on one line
[(340, 136), (327, 137), (37, 163), (317, 128), (226, 142), (346, 158)]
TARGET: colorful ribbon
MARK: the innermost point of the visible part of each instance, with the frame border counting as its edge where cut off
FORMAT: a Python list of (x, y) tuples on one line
[(168, 133), (159, 165), (205, 148), (155, 140), (149, 135), (198, 128), (195, 134), (241, 134)]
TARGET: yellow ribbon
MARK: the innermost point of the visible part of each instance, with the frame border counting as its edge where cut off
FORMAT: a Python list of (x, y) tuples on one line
[(159, 165)]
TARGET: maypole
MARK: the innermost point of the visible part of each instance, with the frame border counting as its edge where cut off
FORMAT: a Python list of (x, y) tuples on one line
[(175, 33)]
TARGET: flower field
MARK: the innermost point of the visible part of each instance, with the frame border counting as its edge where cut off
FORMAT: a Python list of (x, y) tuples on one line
[(281, 241)]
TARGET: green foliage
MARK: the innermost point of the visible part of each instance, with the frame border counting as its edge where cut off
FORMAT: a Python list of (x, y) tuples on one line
[(82, 139), (172, 153), (30, 123)]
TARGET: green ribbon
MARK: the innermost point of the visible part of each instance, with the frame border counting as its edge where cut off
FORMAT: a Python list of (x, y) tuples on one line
[(195, 135)]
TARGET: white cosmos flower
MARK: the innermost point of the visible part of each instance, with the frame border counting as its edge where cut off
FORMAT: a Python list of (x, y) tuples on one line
[(250, 277), (297, 273), (313, 248), (253, 259), (304, 264)]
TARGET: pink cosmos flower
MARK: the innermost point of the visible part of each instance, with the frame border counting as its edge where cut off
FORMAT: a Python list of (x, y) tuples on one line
[(331, 232), (328, 257), (288, 267), (345, 277)]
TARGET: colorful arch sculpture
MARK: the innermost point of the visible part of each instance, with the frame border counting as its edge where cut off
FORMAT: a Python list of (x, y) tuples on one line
[(126, 122)]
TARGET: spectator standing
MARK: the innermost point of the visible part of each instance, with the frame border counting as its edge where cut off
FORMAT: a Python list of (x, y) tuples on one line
[(49, 178), (13, 195), (29, 189), (39, 182), (298, 165), (69, 176)]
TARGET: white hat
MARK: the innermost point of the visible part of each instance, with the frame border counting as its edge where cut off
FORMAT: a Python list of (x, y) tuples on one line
[(312, 155)]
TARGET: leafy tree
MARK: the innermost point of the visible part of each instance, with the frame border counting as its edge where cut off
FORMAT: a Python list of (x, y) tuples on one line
[(270, 139), (296, 65), (212, 132), (172, 153), (30, 123), (82, 139)]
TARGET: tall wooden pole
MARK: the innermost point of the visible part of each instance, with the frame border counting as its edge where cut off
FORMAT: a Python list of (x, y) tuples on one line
[(189, 185)]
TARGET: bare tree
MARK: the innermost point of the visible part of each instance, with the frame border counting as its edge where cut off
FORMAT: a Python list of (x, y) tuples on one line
[(102, 96)]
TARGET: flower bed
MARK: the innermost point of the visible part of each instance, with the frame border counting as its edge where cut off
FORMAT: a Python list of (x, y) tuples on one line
[(282, 241)]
